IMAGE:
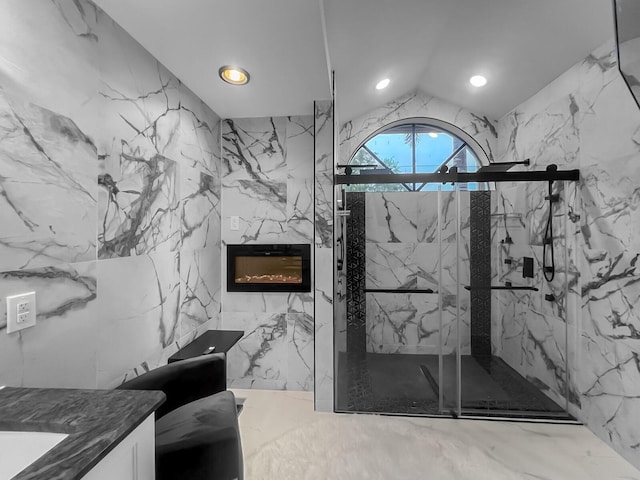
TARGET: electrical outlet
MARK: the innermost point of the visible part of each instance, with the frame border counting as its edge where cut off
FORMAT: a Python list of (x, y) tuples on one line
[(234, 223), (21, 311), (23, 307)]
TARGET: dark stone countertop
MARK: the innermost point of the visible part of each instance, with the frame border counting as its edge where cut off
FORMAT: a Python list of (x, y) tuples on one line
[(95, 420)]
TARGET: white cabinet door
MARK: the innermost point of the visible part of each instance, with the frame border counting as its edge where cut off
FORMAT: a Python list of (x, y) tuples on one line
[(132, 459)]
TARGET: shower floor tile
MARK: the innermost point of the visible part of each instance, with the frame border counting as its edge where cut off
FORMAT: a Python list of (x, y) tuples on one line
[(408, 384)]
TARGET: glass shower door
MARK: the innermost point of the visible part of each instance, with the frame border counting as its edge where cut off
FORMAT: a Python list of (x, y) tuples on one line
[(449, 308)]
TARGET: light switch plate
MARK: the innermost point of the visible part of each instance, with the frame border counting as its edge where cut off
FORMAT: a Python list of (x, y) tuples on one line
[(21, 311), (234, 223)]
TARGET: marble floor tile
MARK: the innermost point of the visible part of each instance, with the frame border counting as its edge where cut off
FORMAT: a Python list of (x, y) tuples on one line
[(284, 438)]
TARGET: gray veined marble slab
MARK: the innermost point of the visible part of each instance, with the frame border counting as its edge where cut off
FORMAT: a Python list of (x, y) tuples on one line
[(324, 328), (262, 208), (138, 205), (60, 351), (300, 210), (300, 141), (300, 357), (324, 168), (391, 265), (139, 305), (391, 217), (200, 289), (47, 161), (259, 359), (323, 128), (411, 323), (200, 209), (197, 143), (324, 195), (254, 149)]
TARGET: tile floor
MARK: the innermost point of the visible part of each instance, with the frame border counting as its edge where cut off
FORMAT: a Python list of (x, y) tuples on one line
[(283, 438)]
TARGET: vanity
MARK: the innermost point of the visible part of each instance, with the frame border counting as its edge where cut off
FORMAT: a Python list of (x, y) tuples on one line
[(68, 434)]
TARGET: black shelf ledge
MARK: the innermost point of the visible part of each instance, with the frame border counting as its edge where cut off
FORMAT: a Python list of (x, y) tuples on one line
[(501, 287), (480, 177), (398, 290)]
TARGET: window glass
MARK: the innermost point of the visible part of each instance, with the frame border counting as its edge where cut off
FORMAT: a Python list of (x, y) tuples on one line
[(393, 149), (413, 148)]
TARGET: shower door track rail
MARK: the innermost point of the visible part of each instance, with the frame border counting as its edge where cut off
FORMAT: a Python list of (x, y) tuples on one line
[(451, 177), (501, 287)]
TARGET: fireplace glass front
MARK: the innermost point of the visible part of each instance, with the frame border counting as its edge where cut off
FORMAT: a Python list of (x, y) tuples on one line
[(268, 268)]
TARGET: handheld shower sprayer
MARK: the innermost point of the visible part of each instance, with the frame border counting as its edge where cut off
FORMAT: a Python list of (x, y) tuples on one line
[(548, 258)]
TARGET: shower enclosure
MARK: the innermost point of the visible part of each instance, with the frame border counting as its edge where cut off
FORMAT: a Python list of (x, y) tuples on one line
[(456, 299)]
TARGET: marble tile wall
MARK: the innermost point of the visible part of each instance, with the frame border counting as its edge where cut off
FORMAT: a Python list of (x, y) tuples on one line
[(330, 300), (532, 331), (403, 251), (587, 119), (408, 237), (109, 199), (268, 182)]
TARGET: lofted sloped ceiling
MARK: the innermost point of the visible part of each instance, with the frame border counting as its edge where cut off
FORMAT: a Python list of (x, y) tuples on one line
[(433, 45)]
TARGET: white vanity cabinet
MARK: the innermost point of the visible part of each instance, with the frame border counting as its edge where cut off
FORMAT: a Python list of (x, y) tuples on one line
[(132, 459)]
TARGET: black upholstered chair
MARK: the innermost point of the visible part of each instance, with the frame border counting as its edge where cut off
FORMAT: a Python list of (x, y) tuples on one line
[(197, 435)]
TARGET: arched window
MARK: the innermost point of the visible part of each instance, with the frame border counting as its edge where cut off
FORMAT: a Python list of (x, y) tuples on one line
[(423, 146)]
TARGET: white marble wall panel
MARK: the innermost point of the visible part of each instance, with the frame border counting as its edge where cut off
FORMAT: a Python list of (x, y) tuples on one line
[(397, 321), (300, 210), (200, 210), (324, 169), (60, 350), (324, 329), (137, 206), (300, 142), (326, 296), (412, 323), (532, 331), (300, 357), (587, 119), (391, 265), (254, 149), (391, 217), (81, 98), (413, 258), (200, 292), (198, 137), (138, 303), (270, 190), (46, 161), (268, 182), (36, 41), (300, 180), (427, 220), (259, 359)]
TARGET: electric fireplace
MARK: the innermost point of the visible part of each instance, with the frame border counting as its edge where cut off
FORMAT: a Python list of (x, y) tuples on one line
[(269, 268)]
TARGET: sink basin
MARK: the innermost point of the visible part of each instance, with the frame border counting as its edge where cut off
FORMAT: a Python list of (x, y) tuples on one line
[(18, 450)]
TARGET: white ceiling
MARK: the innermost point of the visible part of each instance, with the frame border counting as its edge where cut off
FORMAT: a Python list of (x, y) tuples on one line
[(435, 45), (269, 38)]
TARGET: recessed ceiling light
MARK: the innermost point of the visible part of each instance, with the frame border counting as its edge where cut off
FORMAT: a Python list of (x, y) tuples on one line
[(234, 75), (478, 81), (383, 84)]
